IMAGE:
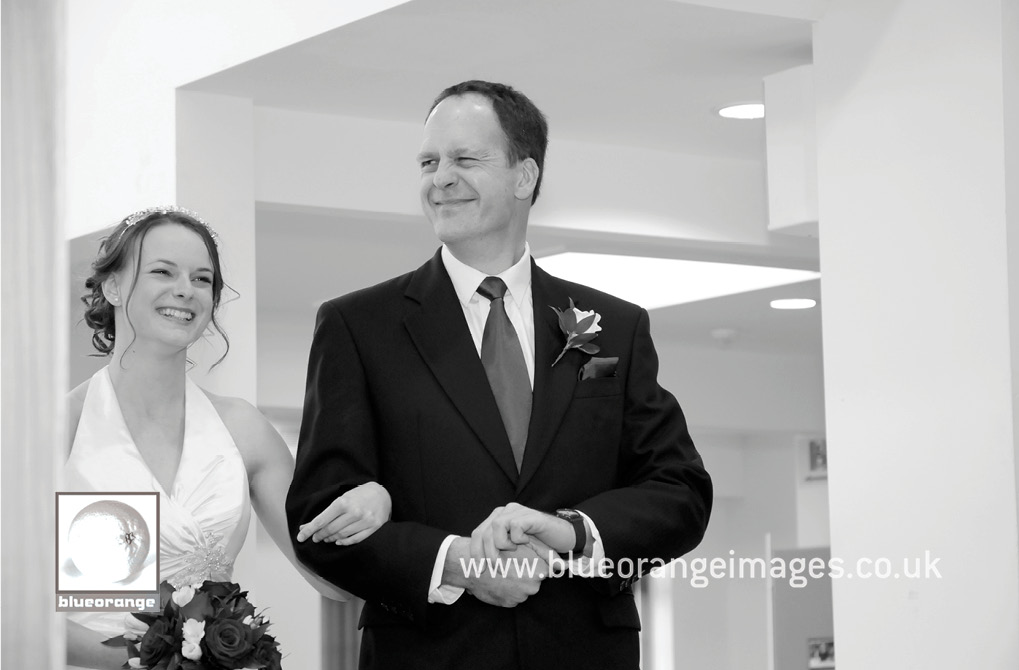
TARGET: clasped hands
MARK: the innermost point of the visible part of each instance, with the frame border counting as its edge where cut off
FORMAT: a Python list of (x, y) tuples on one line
[(507, 556)]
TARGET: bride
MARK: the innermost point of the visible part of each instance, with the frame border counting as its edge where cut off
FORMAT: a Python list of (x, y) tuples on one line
[(140, 424)]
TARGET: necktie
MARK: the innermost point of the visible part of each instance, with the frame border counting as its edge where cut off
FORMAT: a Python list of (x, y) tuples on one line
[(503, 359)]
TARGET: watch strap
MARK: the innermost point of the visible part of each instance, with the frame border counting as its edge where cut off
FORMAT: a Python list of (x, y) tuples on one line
[(576, 519)]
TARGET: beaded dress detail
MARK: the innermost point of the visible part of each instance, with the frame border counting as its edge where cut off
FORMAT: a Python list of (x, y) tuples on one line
[(204, 517)]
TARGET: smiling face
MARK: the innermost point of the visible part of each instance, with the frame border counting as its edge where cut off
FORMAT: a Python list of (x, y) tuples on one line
[(476, 199), (170, 301)]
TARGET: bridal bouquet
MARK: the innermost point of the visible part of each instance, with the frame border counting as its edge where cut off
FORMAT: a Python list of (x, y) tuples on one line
[(211, 626)]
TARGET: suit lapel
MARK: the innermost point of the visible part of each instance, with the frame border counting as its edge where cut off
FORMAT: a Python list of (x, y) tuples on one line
[(437, 327), (553, 386)]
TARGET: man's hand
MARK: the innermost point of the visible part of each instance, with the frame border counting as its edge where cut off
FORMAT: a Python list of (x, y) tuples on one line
[(350, 518), (505, 580), (514, 525)]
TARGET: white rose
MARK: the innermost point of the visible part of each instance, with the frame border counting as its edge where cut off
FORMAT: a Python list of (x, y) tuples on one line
[(191, 650), (580, 328), (183, 595), (133, 628), (194, 631), (581, 315), (135, 662)]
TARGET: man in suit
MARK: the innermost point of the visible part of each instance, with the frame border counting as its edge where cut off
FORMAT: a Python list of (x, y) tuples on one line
[(497, 433)]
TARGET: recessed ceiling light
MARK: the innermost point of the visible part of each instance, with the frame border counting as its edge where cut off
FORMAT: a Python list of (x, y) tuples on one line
[(751, 110), (793, 303), (660, 282)]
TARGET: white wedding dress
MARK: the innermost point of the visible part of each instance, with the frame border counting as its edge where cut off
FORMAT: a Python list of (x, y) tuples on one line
[(203, 519)]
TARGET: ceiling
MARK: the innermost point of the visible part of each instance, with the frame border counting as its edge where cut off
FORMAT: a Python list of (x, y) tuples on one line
[(646, 73)]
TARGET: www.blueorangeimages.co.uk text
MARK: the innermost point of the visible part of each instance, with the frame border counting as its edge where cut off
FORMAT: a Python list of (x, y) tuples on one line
[(700, 571)]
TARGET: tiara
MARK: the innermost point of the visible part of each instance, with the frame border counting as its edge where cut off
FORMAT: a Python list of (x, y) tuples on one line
[(168, 209)]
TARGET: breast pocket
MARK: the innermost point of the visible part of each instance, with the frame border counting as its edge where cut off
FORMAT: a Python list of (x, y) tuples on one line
[(599, 387)]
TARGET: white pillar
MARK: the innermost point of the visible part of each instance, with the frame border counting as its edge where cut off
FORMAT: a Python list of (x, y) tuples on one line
[(917, 156), (215, 177), (34, 346)]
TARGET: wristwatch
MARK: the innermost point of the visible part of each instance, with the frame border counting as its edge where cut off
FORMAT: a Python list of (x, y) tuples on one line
[(577, 520)]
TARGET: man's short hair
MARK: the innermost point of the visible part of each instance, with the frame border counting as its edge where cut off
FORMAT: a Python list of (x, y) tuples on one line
[(524, 125)]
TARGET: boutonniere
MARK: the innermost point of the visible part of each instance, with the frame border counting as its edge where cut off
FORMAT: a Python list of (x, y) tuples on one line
[(579, 327)]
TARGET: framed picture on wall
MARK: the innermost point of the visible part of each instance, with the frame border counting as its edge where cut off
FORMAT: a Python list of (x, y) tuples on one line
[(817, 457), (821, 653)]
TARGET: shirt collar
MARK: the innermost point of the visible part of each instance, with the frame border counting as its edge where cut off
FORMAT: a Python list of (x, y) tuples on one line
[(466, 279)]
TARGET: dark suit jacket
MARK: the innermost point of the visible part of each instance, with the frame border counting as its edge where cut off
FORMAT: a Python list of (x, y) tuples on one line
[(397, 393)]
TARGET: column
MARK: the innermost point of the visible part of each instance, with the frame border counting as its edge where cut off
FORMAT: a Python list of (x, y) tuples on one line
[(34, 344), (215, 177), (917, 168)]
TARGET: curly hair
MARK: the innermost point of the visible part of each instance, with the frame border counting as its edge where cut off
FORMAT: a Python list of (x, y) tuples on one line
[(524, 125), (125, 244)]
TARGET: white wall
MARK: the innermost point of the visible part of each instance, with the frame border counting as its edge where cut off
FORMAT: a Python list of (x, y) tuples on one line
[(723, 624), (357, 164), (744, 391), (125, 59)]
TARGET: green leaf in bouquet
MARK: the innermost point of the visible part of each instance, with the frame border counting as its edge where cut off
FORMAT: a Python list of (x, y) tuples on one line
[(591, 349), (118, 641), (244, 608), (170, 609), (166, 589)]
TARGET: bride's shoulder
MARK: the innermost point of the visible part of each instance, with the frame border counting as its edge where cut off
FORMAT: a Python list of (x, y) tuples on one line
[(240, 416), (75, 405), (76, 398), (230, 408), (250, 430)]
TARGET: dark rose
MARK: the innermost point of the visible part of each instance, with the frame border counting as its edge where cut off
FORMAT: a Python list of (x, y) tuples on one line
[(221, 590), (241, 608), (199, 608), (265, 655), (157, 642), (229, 641)]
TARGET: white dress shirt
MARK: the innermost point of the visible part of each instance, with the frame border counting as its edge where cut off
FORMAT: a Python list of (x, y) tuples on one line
[(520, 310)]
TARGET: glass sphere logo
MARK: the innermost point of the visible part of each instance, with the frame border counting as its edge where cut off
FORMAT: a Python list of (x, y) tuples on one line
[(108, 540)]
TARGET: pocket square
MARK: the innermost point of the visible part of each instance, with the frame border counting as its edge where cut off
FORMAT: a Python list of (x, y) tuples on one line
[(599, 367)]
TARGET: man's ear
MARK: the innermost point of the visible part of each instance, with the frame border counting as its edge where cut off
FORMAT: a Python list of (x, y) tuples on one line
[(528, 179), (111, 290)]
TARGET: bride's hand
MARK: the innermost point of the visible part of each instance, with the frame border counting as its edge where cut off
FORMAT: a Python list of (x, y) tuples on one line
[(350, 518)]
